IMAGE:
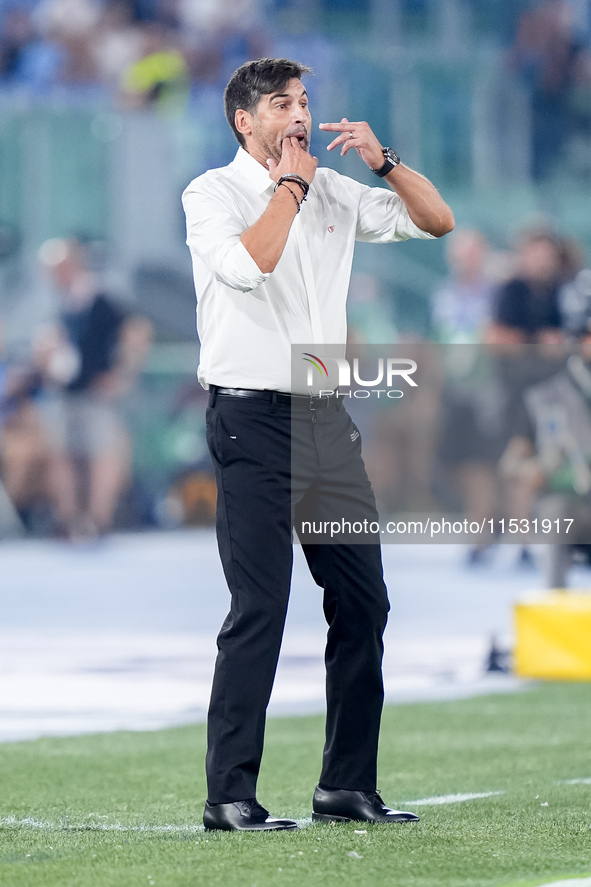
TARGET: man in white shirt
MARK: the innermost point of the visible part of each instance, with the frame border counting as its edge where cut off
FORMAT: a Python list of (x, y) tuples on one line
[(272, 240)]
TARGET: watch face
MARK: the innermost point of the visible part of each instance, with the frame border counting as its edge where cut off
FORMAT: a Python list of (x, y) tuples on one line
[(391, 159)]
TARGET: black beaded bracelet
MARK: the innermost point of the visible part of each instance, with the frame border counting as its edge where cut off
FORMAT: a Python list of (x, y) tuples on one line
[(294, 194), (297, 180)]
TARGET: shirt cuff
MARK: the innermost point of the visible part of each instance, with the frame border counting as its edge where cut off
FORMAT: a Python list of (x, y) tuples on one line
[(240, 271), (414, 231)]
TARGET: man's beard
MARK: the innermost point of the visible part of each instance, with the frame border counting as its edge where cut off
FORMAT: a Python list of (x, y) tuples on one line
[(274, 149)]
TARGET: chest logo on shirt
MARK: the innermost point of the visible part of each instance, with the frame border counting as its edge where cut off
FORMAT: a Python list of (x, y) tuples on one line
[(330, 229), (354, 435)]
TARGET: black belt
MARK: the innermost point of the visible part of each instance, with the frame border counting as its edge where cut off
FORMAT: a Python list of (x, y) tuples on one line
[(308, 401)]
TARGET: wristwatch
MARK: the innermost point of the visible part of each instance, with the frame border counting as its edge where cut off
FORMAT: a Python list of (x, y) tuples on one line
[(391, 159)]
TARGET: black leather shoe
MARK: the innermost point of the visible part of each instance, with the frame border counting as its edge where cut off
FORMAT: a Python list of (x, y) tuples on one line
[(338, 805), (243, 816)]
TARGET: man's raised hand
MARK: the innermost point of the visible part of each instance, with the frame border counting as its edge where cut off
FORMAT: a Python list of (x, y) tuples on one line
[(266, 239), (358, 135), (294, 159)]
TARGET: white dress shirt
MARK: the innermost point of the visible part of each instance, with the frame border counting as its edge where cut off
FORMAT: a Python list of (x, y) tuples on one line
[(247, 321)]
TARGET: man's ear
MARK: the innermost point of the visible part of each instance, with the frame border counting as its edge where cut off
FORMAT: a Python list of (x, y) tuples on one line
[(243, 122)]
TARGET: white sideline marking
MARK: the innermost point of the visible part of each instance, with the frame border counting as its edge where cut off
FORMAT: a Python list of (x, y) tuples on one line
[(12, 821), (572, 882), (583, 781), (29, 822), (452, 799)]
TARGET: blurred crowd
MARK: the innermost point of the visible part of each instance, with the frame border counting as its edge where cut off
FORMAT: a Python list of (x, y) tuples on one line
[(500, 429), (534, 448), (526, 295), (145, 51)]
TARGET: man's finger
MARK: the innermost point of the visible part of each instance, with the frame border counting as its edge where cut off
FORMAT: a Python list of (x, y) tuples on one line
[(347, 145), (290, 142), (344, 125), (340, 140)]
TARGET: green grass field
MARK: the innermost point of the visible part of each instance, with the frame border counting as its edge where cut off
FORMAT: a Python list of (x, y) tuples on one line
[(125, 809)]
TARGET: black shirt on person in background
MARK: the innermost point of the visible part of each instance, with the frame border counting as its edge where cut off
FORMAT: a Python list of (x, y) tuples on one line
[(519, 306), (94, 332)]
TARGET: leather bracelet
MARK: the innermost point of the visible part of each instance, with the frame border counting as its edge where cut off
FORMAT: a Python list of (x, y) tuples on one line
[(297, 180), (292, 192)]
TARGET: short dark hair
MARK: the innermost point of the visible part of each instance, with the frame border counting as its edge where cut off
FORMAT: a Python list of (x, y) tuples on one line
[(251, 81)]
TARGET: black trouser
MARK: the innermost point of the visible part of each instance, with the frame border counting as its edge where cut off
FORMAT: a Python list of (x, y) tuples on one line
[(258, 500)]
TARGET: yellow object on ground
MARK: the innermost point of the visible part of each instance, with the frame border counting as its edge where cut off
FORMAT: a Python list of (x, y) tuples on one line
[(553, 636)]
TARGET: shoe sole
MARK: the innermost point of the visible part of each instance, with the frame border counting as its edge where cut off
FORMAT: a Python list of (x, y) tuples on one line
[(329, 817), (271, 828)]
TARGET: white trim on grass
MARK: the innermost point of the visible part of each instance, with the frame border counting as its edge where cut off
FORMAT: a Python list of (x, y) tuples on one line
[(571, 882), (452, 799), (29, 822), (586, 780)]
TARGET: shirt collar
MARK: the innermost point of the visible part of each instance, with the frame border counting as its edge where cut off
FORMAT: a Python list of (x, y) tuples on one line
[(252, 170)]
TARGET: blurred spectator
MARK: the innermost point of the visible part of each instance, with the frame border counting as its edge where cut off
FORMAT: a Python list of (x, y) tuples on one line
[(548, 461), (572, 258), (27, 56), (89, 359), (546, 54), (462, 306), (117, 42), (71, 25), (17, 31), (467, 447), (470, 437), (575, 303), (23, 443), (527, 306), (160, 77), (219, 31), (579, 99)]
